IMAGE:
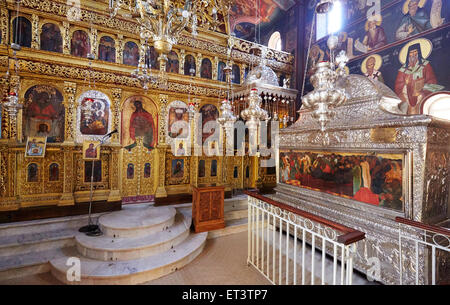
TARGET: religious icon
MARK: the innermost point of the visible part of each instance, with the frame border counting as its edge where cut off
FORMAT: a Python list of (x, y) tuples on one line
[(214, 168), (375, 36), (142, 125), (235, 172), (151, 58), (106, 49), (22, 31), (206, 69), (131, 54), (236, 74), (32, 173), (201, 168), (97, 176), (213, 149), (35, 147), (180, 148), (51, 39), (414, 21), (91, 150), (94, 116), (53, 172), (44, 113), (80, 45), (177, 168), (178, 126), (221, 76), (147, 170), (370, 67), (208, 113), (189, 65), (130, 171), (173, 64), (415, 78)]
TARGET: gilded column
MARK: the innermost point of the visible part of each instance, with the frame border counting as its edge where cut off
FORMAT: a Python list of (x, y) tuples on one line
[(4, 25), (182, 59), (69, 177), (114, 194), (13, 127), (162, 146), (94, 42), (4, 87), (198, 64), (117, 96), (35, 32), (66, 38), (214, 68), (70, 90), (119, 49)]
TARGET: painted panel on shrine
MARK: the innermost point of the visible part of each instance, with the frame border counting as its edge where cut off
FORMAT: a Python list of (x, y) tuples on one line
[(43, 114), (375, 179), (93, 115), (51, 39), (209, 113), (139, 119)]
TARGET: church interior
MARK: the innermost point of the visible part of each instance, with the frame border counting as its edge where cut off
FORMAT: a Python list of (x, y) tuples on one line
[(240, 142)]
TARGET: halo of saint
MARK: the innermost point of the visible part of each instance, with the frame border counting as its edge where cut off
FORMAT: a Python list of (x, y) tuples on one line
[(426, 47), (377, 66), (405, 8)]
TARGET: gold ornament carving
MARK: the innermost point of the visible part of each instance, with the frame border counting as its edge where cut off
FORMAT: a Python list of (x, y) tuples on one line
[(35, 31), (115, 107), (70, 90), (4, 24)]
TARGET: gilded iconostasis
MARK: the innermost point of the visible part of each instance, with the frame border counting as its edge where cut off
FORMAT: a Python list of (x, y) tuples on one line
[(50, 150)]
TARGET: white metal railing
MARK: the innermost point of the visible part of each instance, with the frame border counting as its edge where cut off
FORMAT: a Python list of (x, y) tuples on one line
[(297, 253), (426, 242)]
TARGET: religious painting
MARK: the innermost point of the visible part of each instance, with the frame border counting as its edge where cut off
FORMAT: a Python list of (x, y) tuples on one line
[(208, 113), (94, 116), (51, 39), (91, 150), (80, 46), (374, 37), (221, 76), (107, 49), (151, 58), (189, 65), (53, 172), (43, 114), (201, 168), (35, 147), (178, 120), (375, 179), (131, 54), (21, 30), (370, 67), (139, 119), (213, 148), (180, 148), (206, 69), (32, 172), (177, 168), (130, 171), (213, 168), (236, 74), (147, 170), (96, 175), (415, 78), (235, 172), (173, 63)]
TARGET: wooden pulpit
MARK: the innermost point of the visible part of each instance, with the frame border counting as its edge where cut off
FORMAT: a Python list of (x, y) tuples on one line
[(207, 208)]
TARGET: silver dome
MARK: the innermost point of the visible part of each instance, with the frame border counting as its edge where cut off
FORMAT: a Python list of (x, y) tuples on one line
[(262, 75)]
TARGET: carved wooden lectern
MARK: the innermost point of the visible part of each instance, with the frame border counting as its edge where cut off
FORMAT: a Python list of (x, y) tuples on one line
[(207, 208)]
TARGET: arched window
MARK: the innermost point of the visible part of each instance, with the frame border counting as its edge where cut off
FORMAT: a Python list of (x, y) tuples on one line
[(80, 45), (107, 49), (275, 41), (330, 22), (22, 31), (51, 39)]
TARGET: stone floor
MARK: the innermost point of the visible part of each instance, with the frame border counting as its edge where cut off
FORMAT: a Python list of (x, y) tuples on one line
[(222, 262)]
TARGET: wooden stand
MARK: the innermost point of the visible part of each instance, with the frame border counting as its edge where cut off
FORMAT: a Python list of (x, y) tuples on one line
[(207, 208)]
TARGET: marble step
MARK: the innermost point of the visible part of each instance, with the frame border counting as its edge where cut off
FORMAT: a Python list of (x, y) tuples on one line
[(45, 225), (137, 221), (237, 214), (36, 242), (106, 248), (132, 271), (231, 227)]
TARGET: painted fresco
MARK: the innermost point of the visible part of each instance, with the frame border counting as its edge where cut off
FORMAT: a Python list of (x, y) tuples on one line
[(152, 58), (209, 113), (139, 120), (189, 64), (107, 49), (178, 124), (266, 14), (131, 54), (206, 69), (80, 45), (43, 114), (173, 64), (373, 179), (94, 116), (221, 76), (22, 31), (51, 39)]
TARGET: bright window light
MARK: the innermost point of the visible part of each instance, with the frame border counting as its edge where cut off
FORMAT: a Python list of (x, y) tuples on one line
[(275, 41), (329, 23)]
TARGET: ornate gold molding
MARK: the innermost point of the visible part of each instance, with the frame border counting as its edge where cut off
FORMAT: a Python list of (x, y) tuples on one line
[(115, 107), (163, 102), (4, 25), (70, 90), (35, 39)]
